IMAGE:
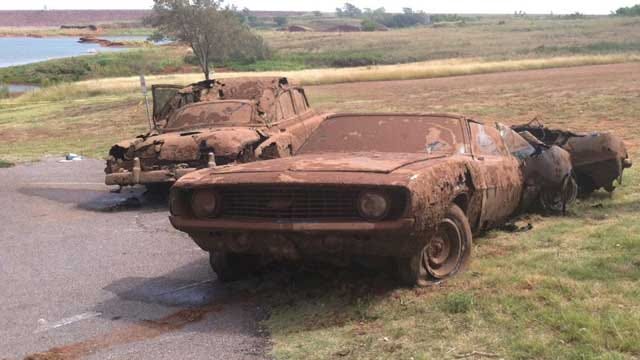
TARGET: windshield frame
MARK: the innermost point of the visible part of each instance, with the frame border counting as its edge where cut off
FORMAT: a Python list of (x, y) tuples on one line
[(251, 123)]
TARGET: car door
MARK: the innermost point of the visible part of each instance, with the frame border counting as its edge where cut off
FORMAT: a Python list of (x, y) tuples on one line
[(501, 173), (289, 120)]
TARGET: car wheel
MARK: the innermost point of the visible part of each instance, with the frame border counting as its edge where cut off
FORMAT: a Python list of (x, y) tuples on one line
[(447, 252), (232, 267), (558, 201)]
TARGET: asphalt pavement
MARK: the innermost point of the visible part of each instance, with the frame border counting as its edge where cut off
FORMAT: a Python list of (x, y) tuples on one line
[(87, 273)]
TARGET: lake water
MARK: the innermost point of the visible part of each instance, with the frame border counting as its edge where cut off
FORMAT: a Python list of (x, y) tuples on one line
[(25, 50)]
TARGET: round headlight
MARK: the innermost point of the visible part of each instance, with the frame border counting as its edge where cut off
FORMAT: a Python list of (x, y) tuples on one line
[(176, 203), (204, 204), (373, 205)]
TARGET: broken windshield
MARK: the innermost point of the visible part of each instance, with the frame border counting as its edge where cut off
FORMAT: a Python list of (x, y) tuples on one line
[(387, 133), (215, 113)]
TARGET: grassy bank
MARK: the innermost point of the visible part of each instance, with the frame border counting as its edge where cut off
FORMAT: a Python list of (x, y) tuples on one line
[(492, 38), (422, 70), (566, 290), (153, 60)]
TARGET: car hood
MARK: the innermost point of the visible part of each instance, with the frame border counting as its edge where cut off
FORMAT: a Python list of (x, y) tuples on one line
[(187, 145), (383, 163)]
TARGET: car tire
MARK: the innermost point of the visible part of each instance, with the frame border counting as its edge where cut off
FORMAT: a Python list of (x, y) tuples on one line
[(557, 202), (232, 267), (445, 254)]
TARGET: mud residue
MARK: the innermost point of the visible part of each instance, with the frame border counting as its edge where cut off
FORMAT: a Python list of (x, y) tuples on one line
[(144, 330)]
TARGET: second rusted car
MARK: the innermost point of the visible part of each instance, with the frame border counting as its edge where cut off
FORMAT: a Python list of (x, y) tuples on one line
[(412, 187), (599, 158), (212, 124)]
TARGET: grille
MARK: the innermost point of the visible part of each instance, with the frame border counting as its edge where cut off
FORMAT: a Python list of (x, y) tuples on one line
[(290, 203)]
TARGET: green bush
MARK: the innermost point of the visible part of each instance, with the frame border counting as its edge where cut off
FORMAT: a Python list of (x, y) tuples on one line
[(6, 164), (369, 25), (4, 91), (628, 11)]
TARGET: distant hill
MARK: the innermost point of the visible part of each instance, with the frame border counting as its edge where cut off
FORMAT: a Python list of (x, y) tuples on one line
[(20, 18)]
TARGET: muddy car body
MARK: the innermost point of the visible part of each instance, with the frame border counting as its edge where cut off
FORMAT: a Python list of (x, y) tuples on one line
[(412, 187), (598, 158), (228, 122)]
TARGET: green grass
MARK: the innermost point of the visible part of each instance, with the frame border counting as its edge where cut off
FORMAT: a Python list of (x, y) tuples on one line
[(568, 289), (5, 164), (565, 290)]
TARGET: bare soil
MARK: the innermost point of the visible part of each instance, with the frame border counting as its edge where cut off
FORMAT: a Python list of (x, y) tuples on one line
[(586, 98)]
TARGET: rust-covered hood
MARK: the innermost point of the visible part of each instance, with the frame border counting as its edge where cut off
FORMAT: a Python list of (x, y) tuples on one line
[(187, 145), (373, 169), (384, 163)]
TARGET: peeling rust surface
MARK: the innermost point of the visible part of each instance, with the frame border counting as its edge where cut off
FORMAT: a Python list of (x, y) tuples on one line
[(215, 123), (422, 163), (598, 159)]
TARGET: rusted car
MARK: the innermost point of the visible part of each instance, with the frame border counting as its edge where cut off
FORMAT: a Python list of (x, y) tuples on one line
[(212, 124), (599, 158), (409, 187)]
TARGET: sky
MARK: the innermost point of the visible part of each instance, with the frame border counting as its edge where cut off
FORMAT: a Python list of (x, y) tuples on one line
[(590, 7)]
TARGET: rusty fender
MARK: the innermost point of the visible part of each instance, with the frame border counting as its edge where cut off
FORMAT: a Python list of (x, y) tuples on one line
[(436, 190), (275, 147)]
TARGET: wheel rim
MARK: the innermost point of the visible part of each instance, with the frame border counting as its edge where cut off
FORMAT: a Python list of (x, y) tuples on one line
[(443, 255), (557, 201)]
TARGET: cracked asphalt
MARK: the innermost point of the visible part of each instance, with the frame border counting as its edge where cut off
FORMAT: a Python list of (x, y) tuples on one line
[(86, 273)]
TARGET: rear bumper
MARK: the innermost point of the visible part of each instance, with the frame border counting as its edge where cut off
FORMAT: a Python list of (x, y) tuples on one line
[(295, 240), (136, 177)]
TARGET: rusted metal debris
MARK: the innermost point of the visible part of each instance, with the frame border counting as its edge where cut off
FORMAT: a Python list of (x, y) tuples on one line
[(598, 158), (212, 124), (414, 187)]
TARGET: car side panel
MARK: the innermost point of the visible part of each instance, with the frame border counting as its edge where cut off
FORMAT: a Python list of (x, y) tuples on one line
[(500, 172)]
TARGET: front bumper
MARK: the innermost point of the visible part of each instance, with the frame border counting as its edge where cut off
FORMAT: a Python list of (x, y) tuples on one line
[(137, 176), (293, 240)]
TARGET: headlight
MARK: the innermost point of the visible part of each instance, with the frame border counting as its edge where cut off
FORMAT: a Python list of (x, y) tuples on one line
[(204, 204), (373, 205), (177, 205)]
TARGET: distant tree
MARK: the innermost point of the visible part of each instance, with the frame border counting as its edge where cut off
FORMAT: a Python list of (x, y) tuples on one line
[(317, 13), (281, 20), (407, 11), (214, 33), (339, 12), (350, 10), (628, 11)]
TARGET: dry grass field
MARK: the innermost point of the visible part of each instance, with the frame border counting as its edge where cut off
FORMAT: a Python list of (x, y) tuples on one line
[(502, 37)]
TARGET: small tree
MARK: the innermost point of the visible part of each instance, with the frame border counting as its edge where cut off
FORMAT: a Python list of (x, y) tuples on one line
[(214, 33), (281, 20), (350, 10)]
